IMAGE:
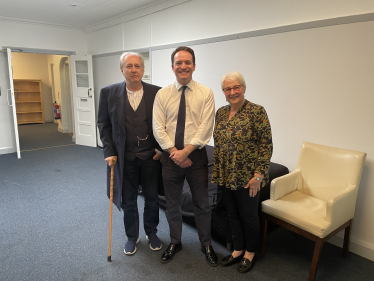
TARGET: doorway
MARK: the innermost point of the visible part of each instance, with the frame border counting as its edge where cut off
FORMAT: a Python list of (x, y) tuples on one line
[(66, 97), (52, 72)]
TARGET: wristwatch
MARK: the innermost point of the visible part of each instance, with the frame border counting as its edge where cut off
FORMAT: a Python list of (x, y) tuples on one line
[(258, 179)]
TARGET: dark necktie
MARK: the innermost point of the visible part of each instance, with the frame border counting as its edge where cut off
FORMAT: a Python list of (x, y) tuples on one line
[(179, 133)]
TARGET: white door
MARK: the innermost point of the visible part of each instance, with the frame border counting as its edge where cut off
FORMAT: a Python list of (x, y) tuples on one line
[(83, 100), (11, 100)]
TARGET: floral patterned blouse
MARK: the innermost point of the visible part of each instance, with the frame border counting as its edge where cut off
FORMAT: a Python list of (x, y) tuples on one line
[(242, 146)]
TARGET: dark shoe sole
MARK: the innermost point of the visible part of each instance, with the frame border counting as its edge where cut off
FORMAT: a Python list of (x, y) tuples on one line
[(176, 251), (245, 271), (235, 260), (230, 263), (212, 265), (249, 268)]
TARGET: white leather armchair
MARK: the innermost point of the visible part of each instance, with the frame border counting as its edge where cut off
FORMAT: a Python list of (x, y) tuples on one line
[(318, 199)]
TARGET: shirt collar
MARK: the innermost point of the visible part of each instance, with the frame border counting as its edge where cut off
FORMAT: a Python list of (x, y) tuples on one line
[(133, 93), (189, 85), (243, 106)]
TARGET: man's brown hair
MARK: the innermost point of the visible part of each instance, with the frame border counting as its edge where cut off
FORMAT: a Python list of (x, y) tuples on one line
[(183, 48)]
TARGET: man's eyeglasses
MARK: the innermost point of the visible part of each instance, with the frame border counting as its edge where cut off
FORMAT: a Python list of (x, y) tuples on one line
[(236, 88)]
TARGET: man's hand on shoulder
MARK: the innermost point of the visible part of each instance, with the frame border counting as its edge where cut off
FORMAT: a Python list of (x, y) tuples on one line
[(110, 160)]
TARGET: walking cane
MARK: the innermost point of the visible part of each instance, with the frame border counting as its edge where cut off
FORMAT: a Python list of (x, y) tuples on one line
[(111, 210)]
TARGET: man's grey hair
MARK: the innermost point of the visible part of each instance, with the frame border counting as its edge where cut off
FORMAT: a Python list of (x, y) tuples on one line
[(233, 76), (124, 55)]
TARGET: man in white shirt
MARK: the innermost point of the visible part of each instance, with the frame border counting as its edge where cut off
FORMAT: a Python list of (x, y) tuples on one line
[(125, 124), (183, 116)]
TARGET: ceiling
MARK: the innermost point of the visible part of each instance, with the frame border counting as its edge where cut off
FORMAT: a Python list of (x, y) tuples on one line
[(61, 12)]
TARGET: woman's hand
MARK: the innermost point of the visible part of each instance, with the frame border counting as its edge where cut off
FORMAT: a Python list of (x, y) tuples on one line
[(254, 186)]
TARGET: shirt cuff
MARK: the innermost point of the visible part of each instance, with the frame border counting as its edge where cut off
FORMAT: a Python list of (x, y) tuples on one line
[(166, 146), (199, 143), (158, 151)]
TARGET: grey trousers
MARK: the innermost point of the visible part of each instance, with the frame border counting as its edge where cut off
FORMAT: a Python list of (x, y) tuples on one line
[(197, 178)]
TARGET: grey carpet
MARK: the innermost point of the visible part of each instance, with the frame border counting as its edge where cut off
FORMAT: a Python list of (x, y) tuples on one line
[(34, 136), (54, 226)]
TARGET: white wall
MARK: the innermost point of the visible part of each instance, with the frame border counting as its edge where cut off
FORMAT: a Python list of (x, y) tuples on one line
[(106, 40), (35, 66), (105, 72), (199, 19), (131, 35), (30, 35), (316, 84)]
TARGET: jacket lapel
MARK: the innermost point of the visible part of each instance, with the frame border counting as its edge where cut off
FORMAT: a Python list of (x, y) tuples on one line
[(120, 101), (148, 106)]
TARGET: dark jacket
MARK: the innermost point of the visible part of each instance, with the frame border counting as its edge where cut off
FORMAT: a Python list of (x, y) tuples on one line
[(111, 124)]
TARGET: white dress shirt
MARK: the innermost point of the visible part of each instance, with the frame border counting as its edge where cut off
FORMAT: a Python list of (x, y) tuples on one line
[(135, 98), (199, 114)]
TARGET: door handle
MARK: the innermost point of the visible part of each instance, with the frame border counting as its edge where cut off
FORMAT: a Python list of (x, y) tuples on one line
[(7, 96), (90, 96)]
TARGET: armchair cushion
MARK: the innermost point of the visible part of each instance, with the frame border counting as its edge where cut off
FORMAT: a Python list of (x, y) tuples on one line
[(301, 210)]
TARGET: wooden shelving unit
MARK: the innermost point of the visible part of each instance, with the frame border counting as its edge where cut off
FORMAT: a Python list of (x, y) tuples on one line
[(29, 101)]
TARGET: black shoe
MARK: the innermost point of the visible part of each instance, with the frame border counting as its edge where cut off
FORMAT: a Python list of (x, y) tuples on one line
[(229, 260), (210, 256), (169, 253), (246, 265)]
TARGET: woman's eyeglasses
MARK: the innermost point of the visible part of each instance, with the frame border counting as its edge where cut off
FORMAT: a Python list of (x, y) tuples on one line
[(236, 88)]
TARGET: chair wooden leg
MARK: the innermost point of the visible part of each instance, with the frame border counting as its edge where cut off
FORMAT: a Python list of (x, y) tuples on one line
[(317, 253), (264, 230), (347, 239)]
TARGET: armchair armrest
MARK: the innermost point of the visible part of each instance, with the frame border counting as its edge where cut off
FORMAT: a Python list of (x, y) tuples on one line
[(341, 207), (284, 185)]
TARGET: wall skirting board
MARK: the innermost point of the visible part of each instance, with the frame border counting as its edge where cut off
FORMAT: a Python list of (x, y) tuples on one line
[(7, 150), (356, 246)]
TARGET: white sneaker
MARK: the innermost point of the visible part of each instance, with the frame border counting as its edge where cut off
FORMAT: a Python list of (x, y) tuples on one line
[(154, 243)]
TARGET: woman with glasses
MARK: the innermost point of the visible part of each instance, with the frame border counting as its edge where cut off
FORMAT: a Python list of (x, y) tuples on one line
[(243, 148)]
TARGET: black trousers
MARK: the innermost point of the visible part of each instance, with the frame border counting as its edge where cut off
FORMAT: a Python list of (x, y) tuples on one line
[(243, 216), (149, 172), (197, 178)]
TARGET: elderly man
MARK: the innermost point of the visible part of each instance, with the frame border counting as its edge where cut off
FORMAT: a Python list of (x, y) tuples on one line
[(125, 124), (183, 115)]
